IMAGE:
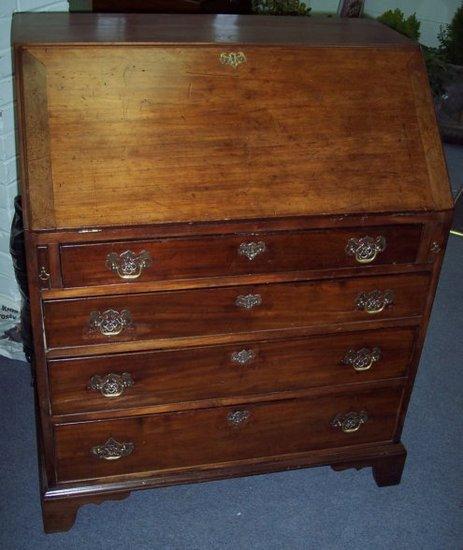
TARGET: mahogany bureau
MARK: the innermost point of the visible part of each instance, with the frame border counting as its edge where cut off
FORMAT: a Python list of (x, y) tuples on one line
[(235, 226)]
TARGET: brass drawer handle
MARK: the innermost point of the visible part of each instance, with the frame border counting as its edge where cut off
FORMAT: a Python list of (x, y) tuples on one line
[(110, 385), (375, 301), (232, 58), (366, 248), (110, 322), (43, 274), (349, 422), (238, 418), (244, 356), (362, 359), (251, 250), (128, 265), (112, 449), (248, 301), (435, 247)]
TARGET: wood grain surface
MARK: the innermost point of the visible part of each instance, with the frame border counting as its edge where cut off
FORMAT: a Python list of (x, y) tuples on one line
[(177, 440), (65, 28), (85, 265), (170, 134), (202, 373), (196, 313)]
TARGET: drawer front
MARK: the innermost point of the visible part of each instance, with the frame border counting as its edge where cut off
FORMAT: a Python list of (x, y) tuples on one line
[(188, 258), (160, 377), (210, 436), (221, 311)]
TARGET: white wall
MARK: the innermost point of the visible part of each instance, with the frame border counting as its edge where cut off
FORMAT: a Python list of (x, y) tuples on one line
[(8, 172)]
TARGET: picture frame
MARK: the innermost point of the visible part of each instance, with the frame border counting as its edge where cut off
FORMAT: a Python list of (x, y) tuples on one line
[(351, 8)]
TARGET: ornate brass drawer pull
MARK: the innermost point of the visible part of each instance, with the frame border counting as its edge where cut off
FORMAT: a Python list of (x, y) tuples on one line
[(232, 58), (238, 418), (366, 248), (349, 422), (110, 322), (435, 247), (110, 385), (248, 301), (362, 359), (244, 356), (128, 265), (252, 249), (113, 450), (43, 274), (375, 301)]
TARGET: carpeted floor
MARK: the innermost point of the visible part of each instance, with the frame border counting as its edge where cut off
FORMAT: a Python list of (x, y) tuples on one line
[(307, 509)]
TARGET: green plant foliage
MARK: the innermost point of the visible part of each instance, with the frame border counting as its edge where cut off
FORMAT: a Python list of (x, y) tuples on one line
[(451, 39), (438, 69), (436, 64), (280, 7), (409, 26)]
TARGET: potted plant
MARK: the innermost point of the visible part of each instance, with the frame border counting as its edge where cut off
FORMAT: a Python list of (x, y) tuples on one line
[(409, 26), (450, 102), (280, 7)]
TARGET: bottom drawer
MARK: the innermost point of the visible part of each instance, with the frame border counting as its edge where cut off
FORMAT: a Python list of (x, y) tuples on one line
[(185, 439)]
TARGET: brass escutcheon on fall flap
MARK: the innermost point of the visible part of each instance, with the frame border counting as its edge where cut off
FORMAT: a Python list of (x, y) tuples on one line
[(234, 59)]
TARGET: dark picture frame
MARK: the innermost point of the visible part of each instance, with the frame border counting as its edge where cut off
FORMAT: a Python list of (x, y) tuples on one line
[(161, 6), (351, 8)]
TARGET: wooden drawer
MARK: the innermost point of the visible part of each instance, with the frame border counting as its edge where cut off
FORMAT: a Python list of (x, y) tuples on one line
[(227, 310), (224, 434), (160, 377), (215, 256)]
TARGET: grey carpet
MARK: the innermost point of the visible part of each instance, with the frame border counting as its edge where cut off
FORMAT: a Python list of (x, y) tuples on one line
[(307, 509)]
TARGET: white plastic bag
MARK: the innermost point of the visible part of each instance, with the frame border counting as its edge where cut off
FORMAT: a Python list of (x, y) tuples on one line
[(11, 345)]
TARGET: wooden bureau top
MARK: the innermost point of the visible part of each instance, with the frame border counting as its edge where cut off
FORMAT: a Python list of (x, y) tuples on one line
[(136, 119), (87, 28)]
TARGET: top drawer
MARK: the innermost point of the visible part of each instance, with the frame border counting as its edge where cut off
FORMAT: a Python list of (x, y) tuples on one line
[(215, 256)]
